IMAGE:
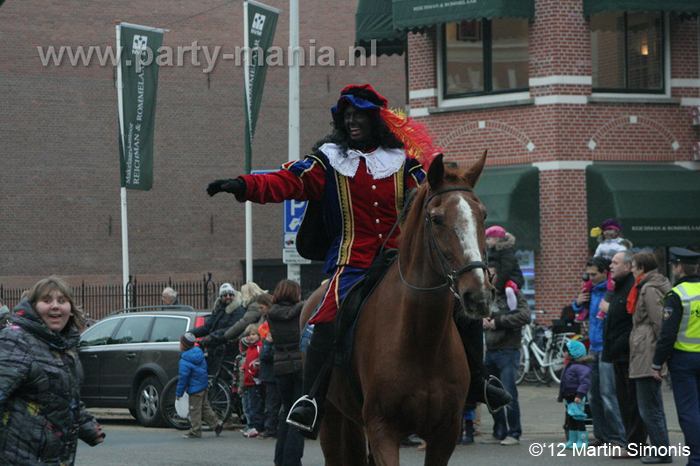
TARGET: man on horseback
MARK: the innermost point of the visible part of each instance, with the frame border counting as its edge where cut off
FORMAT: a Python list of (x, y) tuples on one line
[(360, 175)]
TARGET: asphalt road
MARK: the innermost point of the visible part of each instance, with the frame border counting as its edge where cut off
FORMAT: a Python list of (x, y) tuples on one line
[(128, 443)]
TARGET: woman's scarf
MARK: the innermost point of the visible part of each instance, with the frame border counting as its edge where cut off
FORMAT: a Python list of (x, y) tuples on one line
[(634, 294)]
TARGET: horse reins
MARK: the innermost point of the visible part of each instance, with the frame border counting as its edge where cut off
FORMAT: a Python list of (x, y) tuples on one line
[(449, 275)]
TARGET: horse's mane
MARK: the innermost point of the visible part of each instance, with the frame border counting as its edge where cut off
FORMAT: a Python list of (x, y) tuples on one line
[(411, 232)]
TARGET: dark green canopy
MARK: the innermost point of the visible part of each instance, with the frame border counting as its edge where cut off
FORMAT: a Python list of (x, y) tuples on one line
[(512, 196), (657, 204), (373, 21), (412, 14), (674, 6)]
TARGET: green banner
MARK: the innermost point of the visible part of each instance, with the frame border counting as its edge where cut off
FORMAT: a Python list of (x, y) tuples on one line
[(260, 31), (137, 83)]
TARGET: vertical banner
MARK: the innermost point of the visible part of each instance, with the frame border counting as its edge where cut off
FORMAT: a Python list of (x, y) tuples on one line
[(260, 23), (137, 89)]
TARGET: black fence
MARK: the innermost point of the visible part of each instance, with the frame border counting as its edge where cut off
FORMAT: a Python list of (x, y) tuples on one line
[(99, 300)]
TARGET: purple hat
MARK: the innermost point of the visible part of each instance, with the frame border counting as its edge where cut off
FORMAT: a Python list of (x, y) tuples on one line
[(611, 223), (495, 232)]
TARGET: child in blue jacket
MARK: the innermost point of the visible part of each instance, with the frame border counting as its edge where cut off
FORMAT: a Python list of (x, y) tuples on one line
[(193, 379), (575, 382)]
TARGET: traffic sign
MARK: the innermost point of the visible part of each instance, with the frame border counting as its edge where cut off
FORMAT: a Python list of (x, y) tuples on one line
[(293, 215)]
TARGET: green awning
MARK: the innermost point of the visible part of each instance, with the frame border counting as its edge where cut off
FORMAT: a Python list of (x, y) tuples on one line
[(412, 14), (658, 205), (674, 6), (512, 197), (373, 21)]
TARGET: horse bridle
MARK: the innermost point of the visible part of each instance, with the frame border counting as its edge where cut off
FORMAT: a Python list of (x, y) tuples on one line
[(449, 275)]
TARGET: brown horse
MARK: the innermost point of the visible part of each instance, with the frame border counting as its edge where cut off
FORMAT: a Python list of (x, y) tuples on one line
[(408, 356)]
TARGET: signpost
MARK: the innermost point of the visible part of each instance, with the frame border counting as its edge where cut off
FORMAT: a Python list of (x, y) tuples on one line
[(293, 214)]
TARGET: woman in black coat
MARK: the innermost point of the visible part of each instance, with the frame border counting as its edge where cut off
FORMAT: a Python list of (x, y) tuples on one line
[(40, 377), (283, 319)]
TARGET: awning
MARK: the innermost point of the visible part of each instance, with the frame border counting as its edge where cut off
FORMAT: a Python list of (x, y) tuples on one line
[(658, 205), (411, 14), (373, 20), (674, 6), (512, 197)]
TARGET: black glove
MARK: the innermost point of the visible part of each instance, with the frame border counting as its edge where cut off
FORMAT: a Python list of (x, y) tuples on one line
[(234, 186)]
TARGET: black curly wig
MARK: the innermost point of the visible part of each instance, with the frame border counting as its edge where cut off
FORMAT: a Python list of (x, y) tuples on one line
[(381, 136)]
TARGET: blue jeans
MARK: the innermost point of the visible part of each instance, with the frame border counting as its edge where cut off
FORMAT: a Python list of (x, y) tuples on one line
[(607, 421), (651, 408), (256, 406), (290, 444), (503, 363), (685, 380)]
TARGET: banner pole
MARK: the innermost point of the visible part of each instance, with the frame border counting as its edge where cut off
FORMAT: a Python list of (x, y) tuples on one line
[(248, 148), (294, 270), (125, 226)]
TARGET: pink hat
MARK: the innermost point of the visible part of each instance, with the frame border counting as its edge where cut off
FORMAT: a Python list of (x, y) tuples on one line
[(495, 232)]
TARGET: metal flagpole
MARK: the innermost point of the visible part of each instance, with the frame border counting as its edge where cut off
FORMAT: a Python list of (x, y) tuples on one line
[(294, 270), (248, 204), (125, 227)]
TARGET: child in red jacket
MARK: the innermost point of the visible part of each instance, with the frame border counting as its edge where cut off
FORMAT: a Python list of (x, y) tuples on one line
[(252, 385)]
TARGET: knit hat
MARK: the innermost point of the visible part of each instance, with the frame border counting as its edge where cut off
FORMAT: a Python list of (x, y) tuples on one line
[(227, 288), (495, 232), (609, 223), (576, 349), (187, 340)]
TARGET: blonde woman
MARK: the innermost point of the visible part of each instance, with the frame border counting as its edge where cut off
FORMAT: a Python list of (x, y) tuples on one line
[(249, 292)]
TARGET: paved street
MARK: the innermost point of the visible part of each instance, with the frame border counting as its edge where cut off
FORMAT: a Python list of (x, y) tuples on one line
[(128, 443)]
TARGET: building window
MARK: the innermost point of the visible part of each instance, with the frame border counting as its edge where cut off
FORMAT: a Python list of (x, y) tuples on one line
[(627, 53), (485, 57)]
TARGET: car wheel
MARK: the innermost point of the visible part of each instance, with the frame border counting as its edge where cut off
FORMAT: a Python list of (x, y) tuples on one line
[(148, 401), (132, 411)]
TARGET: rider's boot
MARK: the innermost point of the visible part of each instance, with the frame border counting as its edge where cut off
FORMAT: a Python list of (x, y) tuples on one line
[(492, 392), (307, 411)]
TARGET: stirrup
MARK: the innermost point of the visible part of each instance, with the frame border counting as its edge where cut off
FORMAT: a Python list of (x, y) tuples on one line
[(497, 384), (312, 402)]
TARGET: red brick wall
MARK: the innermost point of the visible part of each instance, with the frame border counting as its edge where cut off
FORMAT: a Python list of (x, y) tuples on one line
[(59, 187), (622, 131)]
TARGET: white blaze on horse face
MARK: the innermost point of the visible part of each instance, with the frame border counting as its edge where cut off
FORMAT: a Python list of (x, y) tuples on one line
[(468, 237)]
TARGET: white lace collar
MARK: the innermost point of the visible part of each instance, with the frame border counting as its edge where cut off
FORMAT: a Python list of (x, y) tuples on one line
[(381, 163)]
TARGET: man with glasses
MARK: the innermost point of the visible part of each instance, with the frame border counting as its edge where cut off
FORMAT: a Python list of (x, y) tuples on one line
[(679, 345), (228, 309)]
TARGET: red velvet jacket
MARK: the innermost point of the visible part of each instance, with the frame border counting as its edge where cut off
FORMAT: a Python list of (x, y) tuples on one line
[(358, 211)]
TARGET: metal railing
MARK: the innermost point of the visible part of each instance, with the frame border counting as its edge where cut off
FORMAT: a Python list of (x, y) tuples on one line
[(99, 300)]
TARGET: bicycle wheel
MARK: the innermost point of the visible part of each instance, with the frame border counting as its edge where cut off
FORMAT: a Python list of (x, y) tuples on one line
[(523, 365), (555, 355), (541, 373), (237, 407), (219, 397), (167, 407)]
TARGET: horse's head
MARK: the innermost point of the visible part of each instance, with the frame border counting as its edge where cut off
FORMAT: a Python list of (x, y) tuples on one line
[(455, 229)]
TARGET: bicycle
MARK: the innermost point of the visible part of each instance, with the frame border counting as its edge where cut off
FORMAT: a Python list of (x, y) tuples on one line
[(223, 396), (529, 368), (542, 355)]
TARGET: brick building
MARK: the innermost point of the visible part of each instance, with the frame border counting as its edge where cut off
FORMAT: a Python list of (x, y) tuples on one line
[(594, 98), (59, 182)]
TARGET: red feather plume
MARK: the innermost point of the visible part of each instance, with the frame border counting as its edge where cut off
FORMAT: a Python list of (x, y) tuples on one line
[(413, 135)]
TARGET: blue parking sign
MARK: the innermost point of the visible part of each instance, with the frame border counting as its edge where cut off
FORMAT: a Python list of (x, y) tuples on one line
[(293, 214)]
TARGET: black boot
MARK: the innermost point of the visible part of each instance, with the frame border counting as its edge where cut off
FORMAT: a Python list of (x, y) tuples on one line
[(492, 394), (307, 411)]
